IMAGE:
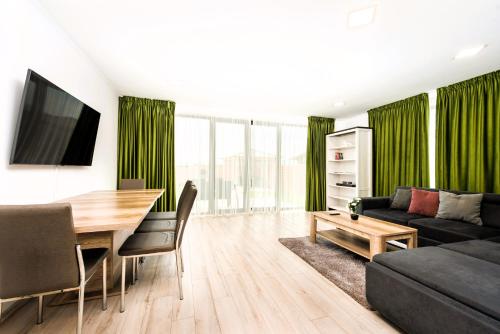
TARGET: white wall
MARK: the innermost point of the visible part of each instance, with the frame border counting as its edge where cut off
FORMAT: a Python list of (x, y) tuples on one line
[(362, 120), (350, 122), (31, 39)]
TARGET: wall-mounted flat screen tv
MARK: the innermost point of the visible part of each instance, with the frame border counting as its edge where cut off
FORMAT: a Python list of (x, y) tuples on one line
[(53, 127)]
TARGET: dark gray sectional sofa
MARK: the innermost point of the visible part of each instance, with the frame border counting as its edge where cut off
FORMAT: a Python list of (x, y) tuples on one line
[(434, 231), (453, 286)]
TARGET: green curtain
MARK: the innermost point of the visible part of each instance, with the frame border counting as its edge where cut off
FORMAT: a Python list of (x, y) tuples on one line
[(317, 129), (400, 144), (146, 145), (468, 135)]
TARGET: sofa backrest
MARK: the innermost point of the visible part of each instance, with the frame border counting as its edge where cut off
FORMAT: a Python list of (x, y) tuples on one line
[(490, 205)]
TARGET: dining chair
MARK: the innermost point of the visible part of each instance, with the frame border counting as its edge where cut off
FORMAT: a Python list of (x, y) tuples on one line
[(131, 184), (158, 243), (163, 221), (39, 256)]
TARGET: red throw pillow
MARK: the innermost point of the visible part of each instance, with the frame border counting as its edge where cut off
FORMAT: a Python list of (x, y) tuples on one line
[(424, 202)]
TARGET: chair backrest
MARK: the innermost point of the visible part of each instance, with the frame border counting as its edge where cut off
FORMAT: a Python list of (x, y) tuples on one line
[(37, 249), (186, 188), (183, 212), (130, 184)]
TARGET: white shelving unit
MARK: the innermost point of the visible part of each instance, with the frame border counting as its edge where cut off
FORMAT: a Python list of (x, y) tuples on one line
[(348, 159)]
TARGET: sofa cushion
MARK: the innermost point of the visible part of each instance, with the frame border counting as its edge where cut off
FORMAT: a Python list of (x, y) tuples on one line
[(424, 202), (481, 249), (490, 210), (448, 231), (469, 280), (401, 199), (426, 242), (391, 215), (494, 239), (466, 207)]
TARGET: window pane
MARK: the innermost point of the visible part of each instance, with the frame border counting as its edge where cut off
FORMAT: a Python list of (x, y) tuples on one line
[(263, 166), (293, 166), (229, 166), (192, 158)]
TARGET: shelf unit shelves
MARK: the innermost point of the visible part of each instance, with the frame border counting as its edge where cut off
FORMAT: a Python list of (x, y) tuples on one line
[(355, 146)]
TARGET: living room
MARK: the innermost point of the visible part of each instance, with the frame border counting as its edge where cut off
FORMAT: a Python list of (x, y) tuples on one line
[(241, 167)]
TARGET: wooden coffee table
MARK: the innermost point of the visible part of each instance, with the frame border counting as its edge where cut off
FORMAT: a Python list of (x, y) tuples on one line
[(365, 236)]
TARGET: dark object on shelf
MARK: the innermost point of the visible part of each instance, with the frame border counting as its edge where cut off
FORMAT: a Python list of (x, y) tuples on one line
[(346, 184), (354, 216)]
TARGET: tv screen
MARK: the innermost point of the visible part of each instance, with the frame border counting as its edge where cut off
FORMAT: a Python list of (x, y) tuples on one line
[(53, 128)]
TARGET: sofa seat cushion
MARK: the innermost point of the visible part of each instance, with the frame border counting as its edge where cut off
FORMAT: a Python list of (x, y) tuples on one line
[(494, 239), (391, 215), (469, 280), (448, 231), (481, 249)]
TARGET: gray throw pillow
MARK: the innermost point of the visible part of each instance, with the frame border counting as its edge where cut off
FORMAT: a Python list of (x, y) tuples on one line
[(401, 199), (466, 207)]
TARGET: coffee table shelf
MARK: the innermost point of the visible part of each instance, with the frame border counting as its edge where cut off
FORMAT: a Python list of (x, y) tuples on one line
[(348, 241)]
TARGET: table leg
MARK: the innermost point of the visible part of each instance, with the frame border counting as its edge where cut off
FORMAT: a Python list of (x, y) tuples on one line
[(313, 226), (377, 246), (413, 241)]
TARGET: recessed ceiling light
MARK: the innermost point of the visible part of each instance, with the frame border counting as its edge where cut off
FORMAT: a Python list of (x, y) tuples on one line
[(470, 52), (361, 17), (339, 104)]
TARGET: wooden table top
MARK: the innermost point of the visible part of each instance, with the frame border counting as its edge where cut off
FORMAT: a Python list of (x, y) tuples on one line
[(112, 210), (367, 225)]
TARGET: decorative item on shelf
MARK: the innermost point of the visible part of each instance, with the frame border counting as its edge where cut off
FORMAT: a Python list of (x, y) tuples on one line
[(339, 156), (352, 206), (346, 184)]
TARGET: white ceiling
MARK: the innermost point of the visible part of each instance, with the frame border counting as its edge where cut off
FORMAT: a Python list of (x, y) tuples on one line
[(285, 57)]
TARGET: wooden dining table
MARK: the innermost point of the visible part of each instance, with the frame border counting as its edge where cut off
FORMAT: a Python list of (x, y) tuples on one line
[(106, 219)]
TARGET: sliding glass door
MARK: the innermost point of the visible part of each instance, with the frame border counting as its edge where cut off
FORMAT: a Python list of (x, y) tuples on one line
[(293, 166), (192, 158), (230, 167), (240, 165), (263, 167)]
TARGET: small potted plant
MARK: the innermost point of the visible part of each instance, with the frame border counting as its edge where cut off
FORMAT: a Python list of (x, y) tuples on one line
[(352, 206)]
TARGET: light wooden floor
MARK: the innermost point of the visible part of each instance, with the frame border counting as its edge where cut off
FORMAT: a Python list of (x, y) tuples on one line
[(238, 279)]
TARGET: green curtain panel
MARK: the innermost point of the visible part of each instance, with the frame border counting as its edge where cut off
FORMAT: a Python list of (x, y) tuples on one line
[(317, 129), (400, 144), (468, 135), (146, 145)]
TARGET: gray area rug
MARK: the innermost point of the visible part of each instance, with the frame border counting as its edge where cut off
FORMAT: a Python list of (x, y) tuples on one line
[(342, 267)]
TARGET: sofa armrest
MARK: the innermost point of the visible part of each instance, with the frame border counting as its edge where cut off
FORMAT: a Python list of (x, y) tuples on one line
[(368, 203)]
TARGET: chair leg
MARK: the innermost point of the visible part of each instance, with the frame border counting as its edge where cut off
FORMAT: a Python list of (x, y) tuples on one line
[(134, 267), (179, 274), (39, 318), (182, 259), (122, 295), (81, 298), (104, 284)]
